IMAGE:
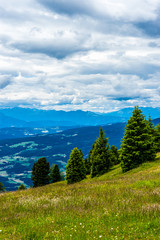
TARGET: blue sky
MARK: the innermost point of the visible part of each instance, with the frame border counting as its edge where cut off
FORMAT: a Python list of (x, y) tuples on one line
[(94, 55)]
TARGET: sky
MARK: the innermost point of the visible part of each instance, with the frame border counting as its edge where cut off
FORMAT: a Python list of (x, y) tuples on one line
[(94, 55)]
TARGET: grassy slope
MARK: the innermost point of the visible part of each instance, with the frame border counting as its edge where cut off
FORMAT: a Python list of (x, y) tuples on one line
[(113, 206)]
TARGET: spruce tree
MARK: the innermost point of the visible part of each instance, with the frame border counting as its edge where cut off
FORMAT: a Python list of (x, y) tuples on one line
[(87, 164), (2, 188), (137, 143), (40, 172), (100, 157), (22, 187), (75, 170), (114, 155), (157, 138), (55, 174)]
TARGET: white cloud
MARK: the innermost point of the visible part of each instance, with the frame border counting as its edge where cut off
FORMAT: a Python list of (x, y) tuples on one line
[(79, 55)]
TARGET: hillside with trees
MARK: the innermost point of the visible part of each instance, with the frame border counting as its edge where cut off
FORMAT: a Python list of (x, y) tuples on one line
[(102, 194)]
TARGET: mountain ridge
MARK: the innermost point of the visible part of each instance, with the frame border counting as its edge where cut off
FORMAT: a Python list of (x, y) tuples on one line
[(26, 117)]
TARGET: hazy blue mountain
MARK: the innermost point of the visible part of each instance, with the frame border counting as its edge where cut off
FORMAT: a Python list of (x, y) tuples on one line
[(156, 121), (126, 113), (25, 117), (44, 118), (7, 121)]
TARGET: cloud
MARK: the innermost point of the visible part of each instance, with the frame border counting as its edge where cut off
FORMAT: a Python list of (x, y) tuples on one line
[(132, 10), (151, 28), (70, 7), (59, 47), (89, 55), (5, 80)]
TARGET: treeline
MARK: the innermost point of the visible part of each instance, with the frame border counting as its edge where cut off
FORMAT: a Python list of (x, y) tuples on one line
[(140, 144)]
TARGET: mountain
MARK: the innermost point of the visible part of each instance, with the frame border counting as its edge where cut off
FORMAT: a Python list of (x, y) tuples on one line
[(156, 121), (7, 121), (26, 117), (126, 113), (44, 118), (18, 155)]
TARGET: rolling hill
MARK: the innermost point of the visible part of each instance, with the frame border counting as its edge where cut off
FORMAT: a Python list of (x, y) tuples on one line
[(113, 206)]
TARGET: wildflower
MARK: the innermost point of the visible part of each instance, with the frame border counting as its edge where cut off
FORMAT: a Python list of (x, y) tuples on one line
[(80, 224), (0, 230), (100, 236)]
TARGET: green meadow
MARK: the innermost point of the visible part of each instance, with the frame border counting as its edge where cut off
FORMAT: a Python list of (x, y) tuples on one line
[(113, 206)]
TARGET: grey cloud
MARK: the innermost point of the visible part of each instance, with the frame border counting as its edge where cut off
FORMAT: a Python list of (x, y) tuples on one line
[(150, 28), (49, 50), (4, 83), (5, 80), (56, 48), (67, 7)]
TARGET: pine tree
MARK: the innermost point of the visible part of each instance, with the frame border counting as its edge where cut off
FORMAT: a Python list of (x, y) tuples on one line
[(150, 153), (75, 170), (114, 155), (88, 161), (40, 172), (87, 164), (2, 188), (55, 174), (137, 143), (22, 187), (100, 159), (157, 138)]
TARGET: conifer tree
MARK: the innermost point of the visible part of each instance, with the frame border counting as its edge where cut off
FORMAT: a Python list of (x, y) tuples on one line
[(2, 188), (55, 175), (114, 155), (88, 161), (150, 141), (100, 157), (157, 138), (87, 165), (22, 187), (40, 172), (75, 170), (137, 143)]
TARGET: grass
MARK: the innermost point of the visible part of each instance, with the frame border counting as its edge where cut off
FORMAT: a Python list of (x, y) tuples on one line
[(113, 206)]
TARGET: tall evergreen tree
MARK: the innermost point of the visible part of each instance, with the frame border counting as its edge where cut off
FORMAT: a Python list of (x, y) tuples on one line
[(87, 165), (88, 161), (100, 157), (40, 172), (114, 155), (157, 138), (55, 175), (2, 188), (75, 170), (137, 143), (22, 187)]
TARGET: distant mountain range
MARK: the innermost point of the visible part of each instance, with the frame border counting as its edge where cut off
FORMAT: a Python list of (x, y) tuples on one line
[(25, 117)]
